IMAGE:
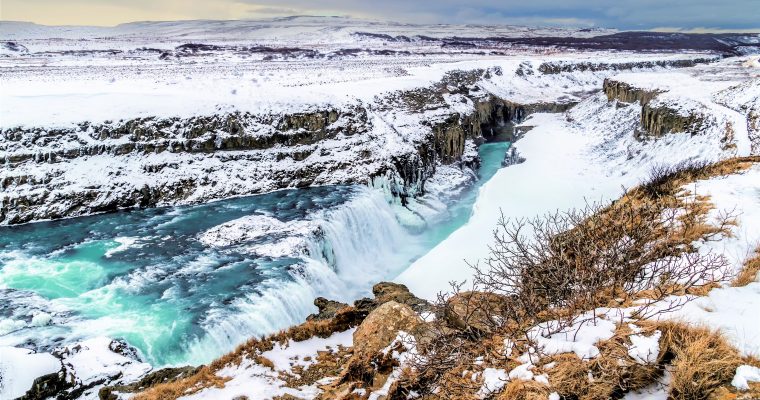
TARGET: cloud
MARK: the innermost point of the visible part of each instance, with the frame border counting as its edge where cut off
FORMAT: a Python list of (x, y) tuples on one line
[(632, 14)]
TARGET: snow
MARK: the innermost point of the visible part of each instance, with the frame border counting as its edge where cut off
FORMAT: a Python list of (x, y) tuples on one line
[(522, 372), (523, 190), (304, 353), (645, 349), (654, 392), (733, 309), (259, 382), (744, 375), (740, 194), (493, 380), (251, 380), (404, 357), (589, 155), (579, 338), (295, 236), (20, 367), (93, 361)]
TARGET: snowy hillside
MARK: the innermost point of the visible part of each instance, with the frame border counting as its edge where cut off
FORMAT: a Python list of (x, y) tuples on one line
[(168, 126), (602, 145), (376, 151)]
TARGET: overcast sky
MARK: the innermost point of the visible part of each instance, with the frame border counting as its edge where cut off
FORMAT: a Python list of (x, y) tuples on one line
[(732, 15)]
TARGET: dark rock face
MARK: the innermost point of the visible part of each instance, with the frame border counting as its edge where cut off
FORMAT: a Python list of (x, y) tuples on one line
[(656, 120), (624, 92), (47, 386), (327, 309), (724, 44), (556, 68), (753, 127), (227, 132), (659, 120), (490, 113), (389, 291)]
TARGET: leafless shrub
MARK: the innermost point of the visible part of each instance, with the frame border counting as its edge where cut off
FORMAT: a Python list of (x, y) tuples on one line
[(558, 266), (662, 176), (637, 253)]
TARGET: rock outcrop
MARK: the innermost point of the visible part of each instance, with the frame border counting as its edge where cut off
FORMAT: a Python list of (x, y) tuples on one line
[(473, 311), (327, 309), (627, 93), (657, 117), (389, 291), (559, 67), (381, 327), (660, 119)]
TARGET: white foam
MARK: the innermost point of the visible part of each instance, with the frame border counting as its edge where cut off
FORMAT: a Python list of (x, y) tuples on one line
[(124, 244)]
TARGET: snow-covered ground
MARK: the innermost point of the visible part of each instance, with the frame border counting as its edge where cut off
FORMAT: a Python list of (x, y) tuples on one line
[(188, 132), (259, 382), (15, 380), (590, 155)]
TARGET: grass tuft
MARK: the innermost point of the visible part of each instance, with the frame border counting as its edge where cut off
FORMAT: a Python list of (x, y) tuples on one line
[(749, 272)]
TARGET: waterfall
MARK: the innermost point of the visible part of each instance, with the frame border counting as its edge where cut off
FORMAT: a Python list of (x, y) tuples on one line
[(356, 245)]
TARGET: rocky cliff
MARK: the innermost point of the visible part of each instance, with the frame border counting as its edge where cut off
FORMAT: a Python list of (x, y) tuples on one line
[(399, 138), (145, 162), (657, 117), (559, 67), (627, 93), (658, 120)]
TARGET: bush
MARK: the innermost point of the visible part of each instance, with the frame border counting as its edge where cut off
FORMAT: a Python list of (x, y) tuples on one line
[(664, 178), (556, 267)]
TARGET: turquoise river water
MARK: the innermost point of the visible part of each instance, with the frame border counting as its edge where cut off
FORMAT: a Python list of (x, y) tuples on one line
[(159, 280)]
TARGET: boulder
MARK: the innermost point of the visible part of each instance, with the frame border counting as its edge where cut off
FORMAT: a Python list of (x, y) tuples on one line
[(327, 309), (381, 327), (389, 291)]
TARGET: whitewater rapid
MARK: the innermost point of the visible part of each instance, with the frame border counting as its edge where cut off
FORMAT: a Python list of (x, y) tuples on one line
[(184, 285)]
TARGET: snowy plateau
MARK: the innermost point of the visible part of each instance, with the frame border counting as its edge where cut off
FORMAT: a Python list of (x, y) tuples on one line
[(173, 193)]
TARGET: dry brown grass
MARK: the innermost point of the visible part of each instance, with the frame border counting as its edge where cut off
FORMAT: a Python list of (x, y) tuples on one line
[(749, 272), (609, 375), (327, 363), (666, 181), (701, 360), (206, 377), (524, 390)]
